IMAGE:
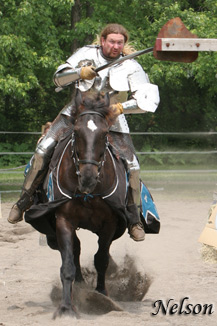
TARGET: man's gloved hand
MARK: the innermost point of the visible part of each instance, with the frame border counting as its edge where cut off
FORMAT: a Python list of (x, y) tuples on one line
[(118, 107), (87, 73)]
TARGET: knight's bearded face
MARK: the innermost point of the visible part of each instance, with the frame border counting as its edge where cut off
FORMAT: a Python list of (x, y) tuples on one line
[(113, 45)]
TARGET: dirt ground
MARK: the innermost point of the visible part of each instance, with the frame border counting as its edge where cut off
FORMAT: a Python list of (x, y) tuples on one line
[(171, 263)]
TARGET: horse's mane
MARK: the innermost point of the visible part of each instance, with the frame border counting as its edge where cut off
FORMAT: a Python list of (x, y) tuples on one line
[(98, 102)]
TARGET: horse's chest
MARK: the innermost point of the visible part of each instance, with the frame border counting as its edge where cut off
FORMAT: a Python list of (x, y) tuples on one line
[(93, 214)]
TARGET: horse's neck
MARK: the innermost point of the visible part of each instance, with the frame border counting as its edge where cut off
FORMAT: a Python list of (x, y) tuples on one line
[(107, 177), (66, 170)]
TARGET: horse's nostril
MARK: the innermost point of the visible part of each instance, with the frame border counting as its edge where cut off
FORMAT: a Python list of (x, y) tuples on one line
[(87, 184)]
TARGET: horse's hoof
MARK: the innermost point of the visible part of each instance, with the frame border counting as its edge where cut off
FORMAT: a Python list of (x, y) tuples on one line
[(66, 311)]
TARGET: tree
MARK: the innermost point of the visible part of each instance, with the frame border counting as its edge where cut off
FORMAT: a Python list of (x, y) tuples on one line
[(38, 35), (31, 48)]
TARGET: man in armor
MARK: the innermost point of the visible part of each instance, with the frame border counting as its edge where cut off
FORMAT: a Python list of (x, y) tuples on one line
[(119, 80)]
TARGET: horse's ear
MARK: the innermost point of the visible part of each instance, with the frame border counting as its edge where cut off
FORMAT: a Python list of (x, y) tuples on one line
[(78, 98)]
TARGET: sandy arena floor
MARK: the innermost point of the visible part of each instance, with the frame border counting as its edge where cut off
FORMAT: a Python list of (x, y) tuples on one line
[(172, 261)]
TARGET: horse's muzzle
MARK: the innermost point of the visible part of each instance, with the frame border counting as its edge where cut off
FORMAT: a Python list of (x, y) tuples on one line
[(87, 180)]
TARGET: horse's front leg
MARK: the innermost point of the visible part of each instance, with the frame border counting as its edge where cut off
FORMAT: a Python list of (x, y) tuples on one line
[(77, 250), (65, 234), (101, 261)]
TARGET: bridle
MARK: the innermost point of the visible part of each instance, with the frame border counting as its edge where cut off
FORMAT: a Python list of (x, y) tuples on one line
[(75, 157)]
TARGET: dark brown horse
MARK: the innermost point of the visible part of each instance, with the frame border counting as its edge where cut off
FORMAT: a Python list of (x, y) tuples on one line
[(96, 182)]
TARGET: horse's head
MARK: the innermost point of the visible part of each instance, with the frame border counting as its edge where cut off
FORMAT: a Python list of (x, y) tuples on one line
[(93, 118)]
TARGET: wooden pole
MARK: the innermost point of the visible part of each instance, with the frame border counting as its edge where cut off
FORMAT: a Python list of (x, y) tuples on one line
[(186, 44)]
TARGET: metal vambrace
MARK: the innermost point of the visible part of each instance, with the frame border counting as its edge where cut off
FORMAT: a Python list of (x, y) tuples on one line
[(66, 77)]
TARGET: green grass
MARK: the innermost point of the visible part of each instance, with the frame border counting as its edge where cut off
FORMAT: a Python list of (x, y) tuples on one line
[(183, 185), (204, 166), (11, 184), (170, 182)]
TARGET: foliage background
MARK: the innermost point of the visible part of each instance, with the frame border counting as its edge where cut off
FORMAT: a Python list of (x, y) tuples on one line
[(38, 35)]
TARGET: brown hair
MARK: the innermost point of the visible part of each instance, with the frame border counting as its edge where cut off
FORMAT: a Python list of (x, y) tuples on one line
[(114, 29)]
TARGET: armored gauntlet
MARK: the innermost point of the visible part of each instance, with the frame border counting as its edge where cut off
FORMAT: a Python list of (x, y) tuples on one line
[(87, 72), (118, 107)]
